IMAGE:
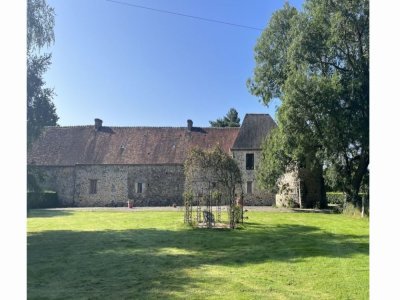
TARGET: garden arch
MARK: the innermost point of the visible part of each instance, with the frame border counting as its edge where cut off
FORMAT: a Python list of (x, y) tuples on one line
[(212, 182)]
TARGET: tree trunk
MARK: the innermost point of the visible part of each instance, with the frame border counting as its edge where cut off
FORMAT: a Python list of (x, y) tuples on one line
[(353, 188), (323, 201)]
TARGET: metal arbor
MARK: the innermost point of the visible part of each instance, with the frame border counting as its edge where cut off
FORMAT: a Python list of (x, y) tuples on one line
[(212, 178)]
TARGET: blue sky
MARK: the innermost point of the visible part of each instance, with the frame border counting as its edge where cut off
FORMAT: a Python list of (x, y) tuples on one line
[(135, 67)]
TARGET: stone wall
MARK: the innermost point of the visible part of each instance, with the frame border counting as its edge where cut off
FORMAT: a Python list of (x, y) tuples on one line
[(111, 187), (162, 185), (289, 183), (61, 180), (257, 196), (288, 195)]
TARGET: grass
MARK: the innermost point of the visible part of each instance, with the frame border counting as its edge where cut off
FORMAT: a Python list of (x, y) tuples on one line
[(153, 255)]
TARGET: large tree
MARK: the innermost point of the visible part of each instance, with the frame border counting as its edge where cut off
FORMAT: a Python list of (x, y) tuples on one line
[(40, 107), (40, 33), (317, 62), (230, 120)]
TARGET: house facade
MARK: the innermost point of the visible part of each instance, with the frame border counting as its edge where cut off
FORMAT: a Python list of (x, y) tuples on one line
[(107, 166)]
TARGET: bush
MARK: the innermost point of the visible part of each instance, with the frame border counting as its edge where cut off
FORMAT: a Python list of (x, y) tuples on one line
[(335, 198), (45, 199), (237, 213), (348, 208)]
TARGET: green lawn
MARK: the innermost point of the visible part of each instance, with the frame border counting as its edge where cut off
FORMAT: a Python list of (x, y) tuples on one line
[(153, 255)]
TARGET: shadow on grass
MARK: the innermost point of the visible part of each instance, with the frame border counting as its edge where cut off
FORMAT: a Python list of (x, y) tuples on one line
[(46, 213), (151, 263)]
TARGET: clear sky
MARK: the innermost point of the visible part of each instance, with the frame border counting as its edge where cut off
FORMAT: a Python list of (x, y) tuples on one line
[(136, 67)]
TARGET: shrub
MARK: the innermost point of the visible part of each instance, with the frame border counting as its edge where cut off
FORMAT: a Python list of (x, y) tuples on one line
[(237, 213), (351, 210), (44, 199), (335, 198)]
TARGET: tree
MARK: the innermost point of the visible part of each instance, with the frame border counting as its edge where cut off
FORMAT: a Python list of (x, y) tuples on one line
[(40, 33), (230, 120), (40, 107), (317, 62), (274, 160)]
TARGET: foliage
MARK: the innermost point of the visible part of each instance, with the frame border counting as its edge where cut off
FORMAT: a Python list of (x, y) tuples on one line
[(40, 33), (275, 160), (40, 24), (187, 201), (43, 199), (349, 208), (34, 178), (237, 213), (317, 62), (40, 109), (292, 203), (230, 120), (153, 255), (216, 195), (335, 198), (213, 166), (188, 197)]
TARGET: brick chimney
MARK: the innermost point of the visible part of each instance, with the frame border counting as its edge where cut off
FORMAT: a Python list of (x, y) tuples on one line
[(97, 124), (189, 125)]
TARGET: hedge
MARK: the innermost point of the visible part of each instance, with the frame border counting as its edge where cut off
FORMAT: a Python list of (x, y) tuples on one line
[(339, 198), (45, 199), (335, 197)]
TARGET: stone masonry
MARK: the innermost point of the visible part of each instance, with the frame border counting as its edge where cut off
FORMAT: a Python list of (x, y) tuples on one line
[(255, 196), (298, 188), (116, 184), (109, 166)]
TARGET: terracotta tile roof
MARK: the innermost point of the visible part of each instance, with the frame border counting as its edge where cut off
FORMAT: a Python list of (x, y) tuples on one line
[(254, 129), (124, 145)]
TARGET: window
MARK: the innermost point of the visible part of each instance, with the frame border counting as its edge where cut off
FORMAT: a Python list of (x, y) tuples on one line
[(139, 189), (249, 187), (249, 161), (93, 186)]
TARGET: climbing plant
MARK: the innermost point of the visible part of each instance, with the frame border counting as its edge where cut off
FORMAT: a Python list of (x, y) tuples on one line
[(215, 172)]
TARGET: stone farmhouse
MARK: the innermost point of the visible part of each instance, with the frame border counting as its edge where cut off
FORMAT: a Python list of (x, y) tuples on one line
[(98, 165)]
